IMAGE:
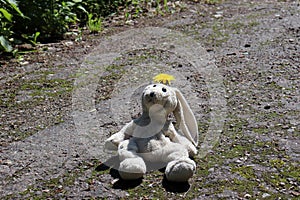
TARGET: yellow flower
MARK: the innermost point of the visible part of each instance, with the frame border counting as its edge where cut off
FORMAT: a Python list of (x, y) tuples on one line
[(164, 78)]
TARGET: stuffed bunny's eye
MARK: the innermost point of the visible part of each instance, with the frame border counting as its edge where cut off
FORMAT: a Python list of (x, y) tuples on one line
[(154, 85), (164, 89)]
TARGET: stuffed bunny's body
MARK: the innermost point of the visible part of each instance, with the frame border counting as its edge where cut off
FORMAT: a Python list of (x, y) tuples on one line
[(153, 137)]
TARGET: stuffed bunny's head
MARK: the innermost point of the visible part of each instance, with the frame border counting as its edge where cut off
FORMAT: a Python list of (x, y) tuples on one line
[(164, 99), (159, 94)]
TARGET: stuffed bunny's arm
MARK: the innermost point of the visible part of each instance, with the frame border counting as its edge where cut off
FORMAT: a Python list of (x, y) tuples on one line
[(179, 138), (113, 141)]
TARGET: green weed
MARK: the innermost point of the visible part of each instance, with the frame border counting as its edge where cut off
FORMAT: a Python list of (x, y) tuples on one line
[(94, 24)]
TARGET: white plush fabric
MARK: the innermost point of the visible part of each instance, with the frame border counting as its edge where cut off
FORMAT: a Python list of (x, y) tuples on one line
[(153, 138)]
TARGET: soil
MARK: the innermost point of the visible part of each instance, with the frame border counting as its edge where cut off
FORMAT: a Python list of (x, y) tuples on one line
[(60, 101)]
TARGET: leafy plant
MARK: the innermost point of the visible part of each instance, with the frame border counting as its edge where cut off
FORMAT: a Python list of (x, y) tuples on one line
[(48, 20), (212, 2), (52, 18), (166, 6), (8, 9), (94, 24), (33, 38), (5, 44), (49, 17)]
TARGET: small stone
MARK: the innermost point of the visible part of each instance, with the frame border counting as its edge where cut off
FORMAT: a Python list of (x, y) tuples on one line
[(85, 186), (7, 162), (24, 63), (291, 130), (285, 127), (231, 54), (218, 14), (267, 107), (211, 169), (247, 196), (69, 43), (282, 184), (114, 181), (265, 195), (295, 193), (129, 22), (247, 45)]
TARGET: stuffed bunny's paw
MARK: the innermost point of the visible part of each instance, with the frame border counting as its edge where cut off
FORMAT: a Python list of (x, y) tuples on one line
[(113, 142), (180, 170), (132, 168)]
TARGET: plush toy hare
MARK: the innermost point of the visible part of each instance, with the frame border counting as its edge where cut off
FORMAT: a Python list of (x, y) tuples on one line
[(153, 138)]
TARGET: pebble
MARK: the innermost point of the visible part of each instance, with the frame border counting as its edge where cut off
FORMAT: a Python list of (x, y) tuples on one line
[(291, 130), (69, 43), (114, 181), (278, 16), (267, 107), (218, 14), (129, 22), (24, 63), (282, 184), (247, 196), (7, 162), (211, 169), (265, 195), (285, 127)]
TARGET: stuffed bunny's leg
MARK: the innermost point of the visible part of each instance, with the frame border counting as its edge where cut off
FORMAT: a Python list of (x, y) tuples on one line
[(180, 167), (132, 166)]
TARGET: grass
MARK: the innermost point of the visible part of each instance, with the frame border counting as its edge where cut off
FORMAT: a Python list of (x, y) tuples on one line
[(94, 24), (212, 2), (107, 82), (29, 91), (38, 87)]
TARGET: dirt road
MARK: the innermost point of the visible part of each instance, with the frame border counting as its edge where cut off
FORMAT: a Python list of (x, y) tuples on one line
[(238, 65)]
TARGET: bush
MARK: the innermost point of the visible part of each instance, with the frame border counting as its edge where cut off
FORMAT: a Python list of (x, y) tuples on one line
[(8, 10), (46, 20), (49, 17), (52, 18)]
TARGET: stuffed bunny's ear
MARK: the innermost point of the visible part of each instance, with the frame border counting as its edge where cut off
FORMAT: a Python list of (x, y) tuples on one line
[(186, 119)]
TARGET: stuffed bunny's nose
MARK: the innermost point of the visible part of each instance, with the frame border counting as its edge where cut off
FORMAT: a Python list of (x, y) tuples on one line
[(152, 94)]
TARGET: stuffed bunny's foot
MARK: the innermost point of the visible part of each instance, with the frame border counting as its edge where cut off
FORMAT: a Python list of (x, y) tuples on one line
[(180, 170), (132, 168)]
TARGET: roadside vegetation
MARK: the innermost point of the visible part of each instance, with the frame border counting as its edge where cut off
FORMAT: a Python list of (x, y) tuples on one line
[(33, 21)]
